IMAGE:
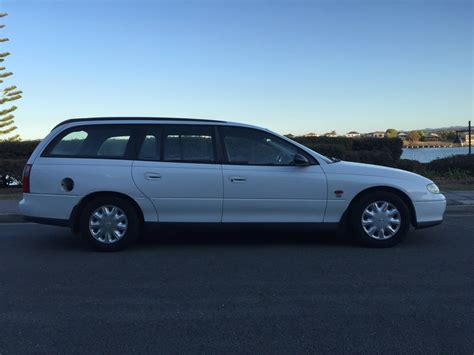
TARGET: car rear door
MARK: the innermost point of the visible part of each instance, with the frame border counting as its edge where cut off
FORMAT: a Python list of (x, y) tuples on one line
[(177, 169), (261, 182)]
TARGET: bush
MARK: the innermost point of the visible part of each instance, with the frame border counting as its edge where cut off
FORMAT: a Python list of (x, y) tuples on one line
[(13, 157), (385, 151), (330, 150), (11, 171), (452, 164), (458, 169), (382, 157), (412, 165), (311, 142), (393, 146), (17, 149)]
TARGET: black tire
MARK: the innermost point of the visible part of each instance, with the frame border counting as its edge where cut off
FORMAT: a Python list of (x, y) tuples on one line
[(357, 213), (132, 219)]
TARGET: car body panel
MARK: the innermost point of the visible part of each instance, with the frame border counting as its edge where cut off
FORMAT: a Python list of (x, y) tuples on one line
[(274, 193), (351, 179), (181, 192), (89, 176), (53, 206), (429, 211)]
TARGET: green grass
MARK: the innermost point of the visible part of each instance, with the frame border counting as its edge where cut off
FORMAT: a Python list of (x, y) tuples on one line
[(10, 193), (10, 197), (454, 187), (456, 181)]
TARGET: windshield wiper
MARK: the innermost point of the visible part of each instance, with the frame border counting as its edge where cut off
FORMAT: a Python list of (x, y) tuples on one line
[(335, 160)]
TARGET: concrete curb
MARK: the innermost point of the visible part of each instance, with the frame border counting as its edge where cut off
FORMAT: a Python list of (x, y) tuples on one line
[(12, 218), (450, 209)]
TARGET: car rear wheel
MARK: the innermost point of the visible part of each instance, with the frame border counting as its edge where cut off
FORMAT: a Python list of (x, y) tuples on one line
[(109, 223), (380, 219)]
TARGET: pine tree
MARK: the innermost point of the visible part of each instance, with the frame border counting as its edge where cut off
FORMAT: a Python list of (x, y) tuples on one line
[(8, 94)]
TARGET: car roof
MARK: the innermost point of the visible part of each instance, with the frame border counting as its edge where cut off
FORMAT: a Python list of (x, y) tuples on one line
[(123, 118), (144, 120)]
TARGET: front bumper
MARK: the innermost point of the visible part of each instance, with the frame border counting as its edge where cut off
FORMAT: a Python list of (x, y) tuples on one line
[(429, 213)]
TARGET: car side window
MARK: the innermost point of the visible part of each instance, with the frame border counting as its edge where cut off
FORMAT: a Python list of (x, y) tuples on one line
[(91, 142), (245, 146), (187, 143)]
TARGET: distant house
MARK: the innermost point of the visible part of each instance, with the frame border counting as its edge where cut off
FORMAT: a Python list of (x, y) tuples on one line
[(376, 134), (311, 134), (402, 135), (466, 138), (432, 137), (332, 134), (353, 134)]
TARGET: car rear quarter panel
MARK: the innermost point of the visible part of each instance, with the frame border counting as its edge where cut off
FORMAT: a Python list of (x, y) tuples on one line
[(48, 197)]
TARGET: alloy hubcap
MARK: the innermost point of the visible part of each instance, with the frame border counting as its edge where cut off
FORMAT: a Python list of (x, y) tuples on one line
[(108, 224), (381, 220)]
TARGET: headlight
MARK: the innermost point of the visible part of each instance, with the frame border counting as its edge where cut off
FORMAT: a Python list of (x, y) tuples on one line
[(432, 188)]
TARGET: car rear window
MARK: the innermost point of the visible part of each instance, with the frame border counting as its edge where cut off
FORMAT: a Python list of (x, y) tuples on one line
[(91, 142)]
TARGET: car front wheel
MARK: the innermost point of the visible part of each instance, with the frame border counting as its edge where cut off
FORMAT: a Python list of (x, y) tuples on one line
[(380, 219), (109, 223)]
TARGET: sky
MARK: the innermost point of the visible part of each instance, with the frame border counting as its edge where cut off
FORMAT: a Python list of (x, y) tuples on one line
[(290, 66)]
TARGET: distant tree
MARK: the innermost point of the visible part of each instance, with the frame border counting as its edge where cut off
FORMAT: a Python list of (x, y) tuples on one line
[(7, 95), (451, 135), (423, 136), (447, 135), (331, 134), (391, 133), (414, 136)]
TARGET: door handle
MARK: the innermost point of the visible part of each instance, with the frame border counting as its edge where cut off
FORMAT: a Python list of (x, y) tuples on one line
[(237, 179), (152, 176)]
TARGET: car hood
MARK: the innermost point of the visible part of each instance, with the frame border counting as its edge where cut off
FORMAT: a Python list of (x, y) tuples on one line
[(350, 168)]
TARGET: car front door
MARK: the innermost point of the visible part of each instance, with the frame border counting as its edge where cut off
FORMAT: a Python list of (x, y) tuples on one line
[(176, 168), (262, 182)]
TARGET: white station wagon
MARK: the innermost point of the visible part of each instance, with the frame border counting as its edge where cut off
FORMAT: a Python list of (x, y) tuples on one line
[(107, 177)]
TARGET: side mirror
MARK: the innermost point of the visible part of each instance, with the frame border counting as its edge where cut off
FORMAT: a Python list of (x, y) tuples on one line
[(300, 160)]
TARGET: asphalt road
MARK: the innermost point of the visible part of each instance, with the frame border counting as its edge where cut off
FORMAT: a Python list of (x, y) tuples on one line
[(225, 290)]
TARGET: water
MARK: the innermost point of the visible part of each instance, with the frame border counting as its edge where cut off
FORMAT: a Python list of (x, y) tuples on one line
[(426, 155)]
